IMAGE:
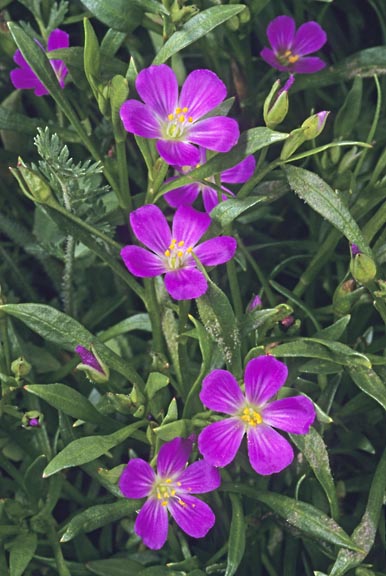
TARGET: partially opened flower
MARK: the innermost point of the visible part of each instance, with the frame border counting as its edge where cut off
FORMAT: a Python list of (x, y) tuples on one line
[(176, 121), (25, 78), (170, 489), (290, 47), (92, 365), (171, 251), (186, 195), (252, 413)]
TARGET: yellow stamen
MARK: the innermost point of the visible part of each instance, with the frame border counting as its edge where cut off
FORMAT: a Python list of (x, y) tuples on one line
[(189, 250), (168, 480), (190, 119), (181, 243), (170, 116), (178, 110), (181, 118), (167, 253), (293, 59), (164, 503), (251, 417), (185, 109), (287, 53), (180, 253)]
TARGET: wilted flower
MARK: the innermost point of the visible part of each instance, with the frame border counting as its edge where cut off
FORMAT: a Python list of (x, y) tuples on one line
[(170, 488), (186, 195), (171, 251), (92, 365), (176, 121), (290, 46), (25, 78), (252, 414)]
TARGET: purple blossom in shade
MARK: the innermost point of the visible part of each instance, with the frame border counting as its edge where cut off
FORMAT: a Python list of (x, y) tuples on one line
[(253, 414), (186, 195), (176, 121), (290, 47), (25, 78), (171, 251), (170, 489), (34, 423), (355, 250), (88, 358), (254, 303)]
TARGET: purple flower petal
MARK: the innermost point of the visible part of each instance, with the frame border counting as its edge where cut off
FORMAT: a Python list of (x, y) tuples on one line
[(216, 250), (192, 515), (221, 392), (239, 173), (137, 479), (19, 59), (178, 153), (271, 59), (88, 358), (218, 133), (200, 477), (158, 88), (201, 92), (183, 196), (173, 456), (268, 451), (185, 284), (58, 39), (189, 225), (151, 228), (263, 377), (220, 441), (23, 78), (281, 33), (141, 262), (309, 38), (138, 119), (152, 524), (210, 198), (308, 65), (295, 414)]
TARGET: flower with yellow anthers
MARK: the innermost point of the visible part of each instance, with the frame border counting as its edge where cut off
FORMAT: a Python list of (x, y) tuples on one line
[(170, 489)]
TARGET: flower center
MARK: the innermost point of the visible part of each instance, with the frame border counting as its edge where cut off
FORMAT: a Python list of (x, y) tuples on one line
[(177, 255), (286, 58), (251, 417), (165, 489), (177, 124)]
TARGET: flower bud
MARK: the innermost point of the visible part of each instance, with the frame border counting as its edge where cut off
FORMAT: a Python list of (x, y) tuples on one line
[(362, 266), (32, 419), (20, 367), (344, 297), (294, 140), (313, 126), (276, 104), (92, 365), (32, 184), (254, 303)]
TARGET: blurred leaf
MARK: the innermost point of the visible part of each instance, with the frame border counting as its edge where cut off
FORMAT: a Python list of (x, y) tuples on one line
[(115, 567), (21, 553), (196, 28), (89, 448), (122, 15), (135, 322), (33, 482), (236, 543), (348, 114), (98, 516), (320, 196), (370, 383), (91, 57), (331, 351)]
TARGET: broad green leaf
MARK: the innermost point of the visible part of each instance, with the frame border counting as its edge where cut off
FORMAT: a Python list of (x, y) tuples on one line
[(66, 332), (98, 516), (122, 15), (33, 482), (89, 448), (136, 322), (170, 431), (249, 142), (21, 553), (226, 212), (156, 381), (336, 330), (370, 383), (323, 350), (309, 520), (236, 543), (321, 197), (115, 567), (196, 28), (70, 401), (364, 534), (315, 452)]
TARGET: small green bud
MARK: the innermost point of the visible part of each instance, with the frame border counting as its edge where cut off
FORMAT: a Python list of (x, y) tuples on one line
[(335, 154), (245, 15), (313, 126), (233, 23), (20, 367), (363, 268), (32, 419), (344, 297), (32, 184), (276, 104)]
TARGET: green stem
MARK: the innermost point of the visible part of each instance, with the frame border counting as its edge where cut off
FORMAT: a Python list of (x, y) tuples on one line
[(153, 309), (260, 275), (233, 281), (53, 538), (4, 339), (183, 360), (67, 275), (250, 185), (373, 127), (375, 223), (124, 196)]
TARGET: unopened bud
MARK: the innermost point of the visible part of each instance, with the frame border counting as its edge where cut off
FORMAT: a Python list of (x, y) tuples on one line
[(20, 367), (344, 297), (294, 140), (313, 126), (92, 365), (276, 104), (362, 266), (32, 419), (32, 184), (254, 303)]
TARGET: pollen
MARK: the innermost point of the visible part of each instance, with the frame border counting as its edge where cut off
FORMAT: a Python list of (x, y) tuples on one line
[(189, 250), (164, 503), (178, 110), (190, 119), (170, 116), (181, 243), (167, 253), (181, 118), (293, 58), (251, 417), (185, 109)]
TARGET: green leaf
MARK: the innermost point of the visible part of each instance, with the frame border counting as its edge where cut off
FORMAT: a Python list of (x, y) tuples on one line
[(156, 381), (91, 55), (249, 142), (309, 520), (370, 383), (236, 543), (123, 15), (66, 332), (115, 567), (315, 452), (196, 28), (89, 448), (69, 401), (348, 114), (336, 330), (320, 196), (170, 431), (33, 483), (21, 553), (135, 322), (364, 534), (226, 212), (323, 350), (98, 516)]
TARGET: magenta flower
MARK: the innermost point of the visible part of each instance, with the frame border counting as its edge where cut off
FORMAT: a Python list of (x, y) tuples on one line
[(92, 365), (177, 122), (25, 78), (172, 251), (186, 195), (171, 488), (290, 46), (252, 414)]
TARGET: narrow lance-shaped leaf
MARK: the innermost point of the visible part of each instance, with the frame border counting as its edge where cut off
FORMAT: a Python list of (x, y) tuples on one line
[(323, 350), (115, 567), (21, 553), (236, 544), (123, 15), (370, 383)]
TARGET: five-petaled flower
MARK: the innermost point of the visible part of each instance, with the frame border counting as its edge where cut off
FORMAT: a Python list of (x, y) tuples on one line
[(172, 250), (177, 122), (186, 195), (170, 488), (290, 46), (25, 78), (252, 414)]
